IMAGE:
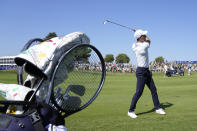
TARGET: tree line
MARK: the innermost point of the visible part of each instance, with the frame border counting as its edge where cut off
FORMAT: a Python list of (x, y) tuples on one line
[(123, 58), (120, 58)]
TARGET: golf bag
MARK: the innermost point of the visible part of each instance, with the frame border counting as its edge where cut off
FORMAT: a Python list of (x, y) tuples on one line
[(40, 100)]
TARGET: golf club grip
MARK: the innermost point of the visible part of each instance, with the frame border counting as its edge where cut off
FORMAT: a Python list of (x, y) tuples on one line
[(83, 82)]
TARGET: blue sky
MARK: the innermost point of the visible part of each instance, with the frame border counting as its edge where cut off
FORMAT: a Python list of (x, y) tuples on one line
[(172, 24)]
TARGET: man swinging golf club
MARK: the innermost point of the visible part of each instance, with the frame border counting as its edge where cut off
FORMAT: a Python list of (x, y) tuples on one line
[(140, 48)]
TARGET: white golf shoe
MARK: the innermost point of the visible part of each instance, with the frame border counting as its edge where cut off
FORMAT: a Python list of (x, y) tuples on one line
[(132, 115), (160, 111)]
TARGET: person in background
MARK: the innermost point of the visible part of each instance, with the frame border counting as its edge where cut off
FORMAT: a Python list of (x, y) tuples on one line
[(189, 68), (165, 69)]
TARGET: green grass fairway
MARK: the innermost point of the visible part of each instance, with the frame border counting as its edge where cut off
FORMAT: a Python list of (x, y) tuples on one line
[(108, 112), (178, 95)]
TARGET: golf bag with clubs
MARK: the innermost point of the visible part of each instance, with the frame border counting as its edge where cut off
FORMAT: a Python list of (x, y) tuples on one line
[(63, 76)]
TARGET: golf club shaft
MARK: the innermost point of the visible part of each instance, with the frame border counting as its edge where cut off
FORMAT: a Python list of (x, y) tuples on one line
[(120, 25)]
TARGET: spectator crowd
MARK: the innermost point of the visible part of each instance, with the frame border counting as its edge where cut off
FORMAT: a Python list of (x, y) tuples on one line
[(154, 67)]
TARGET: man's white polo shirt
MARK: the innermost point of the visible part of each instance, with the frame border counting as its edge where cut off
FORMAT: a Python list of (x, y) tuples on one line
[(141, 52)]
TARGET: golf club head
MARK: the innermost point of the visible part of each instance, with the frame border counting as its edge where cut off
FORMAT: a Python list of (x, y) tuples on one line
[(77, 89), (68, 102), (104, 22), (71, 103)]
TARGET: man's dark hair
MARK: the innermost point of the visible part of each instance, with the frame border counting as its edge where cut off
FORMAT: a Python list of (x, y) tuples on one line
[(141, 37)]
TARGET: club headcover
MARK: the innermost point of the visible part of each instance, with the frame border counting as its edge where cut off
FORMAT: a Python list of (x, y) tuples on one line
[(46, 54), (14, 92)]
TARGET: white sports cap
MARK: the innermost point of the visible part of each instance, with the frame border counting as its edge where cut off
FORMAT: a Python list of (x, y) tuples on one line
[(139, 33)]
